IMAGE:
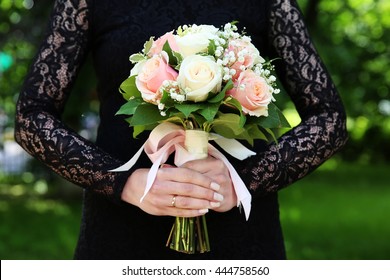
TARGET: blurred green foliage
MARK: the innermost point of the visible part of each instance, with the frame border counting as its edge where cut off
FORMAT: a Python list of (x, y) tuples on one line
[(353, 39), (23, 24)]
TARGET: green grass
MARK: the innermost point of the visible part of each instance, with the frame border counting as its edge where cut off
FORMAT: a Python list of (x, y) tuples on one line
[(38, 228), (339, 212)]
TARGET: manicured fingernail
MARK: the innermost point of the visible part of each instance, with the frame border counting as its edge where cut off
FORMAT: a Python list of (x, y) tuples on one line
[(218, 197), (215, 204), (203, 211), (215, 186)]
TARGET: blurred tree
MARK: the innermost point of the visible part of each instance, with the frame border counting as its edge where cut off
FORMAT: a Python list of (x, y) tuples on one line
[(22, 27), (353, 38)]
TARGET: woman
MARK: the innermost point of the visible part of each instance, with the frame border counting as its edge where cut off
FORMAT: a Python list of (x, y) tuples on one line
[(115, 225)]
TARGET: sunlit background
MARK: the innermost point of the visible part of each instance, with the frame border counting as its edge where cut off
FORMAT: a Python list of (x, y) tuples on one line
[(341, 211)]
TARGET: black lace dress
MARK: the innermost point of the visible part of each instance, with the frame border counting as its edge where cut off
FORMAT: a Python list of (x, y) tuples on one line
[(112, 30)]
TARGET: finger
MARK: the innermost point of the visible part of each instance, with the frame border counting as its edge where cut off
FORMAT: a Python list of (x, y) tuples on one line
[(186, 202), (186, 175), (208, 165), (160, 189)]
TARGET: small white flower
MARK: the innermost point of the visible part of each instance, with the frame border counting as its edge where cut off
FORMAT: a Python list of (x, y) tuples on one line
[(180, 98), (225, 60), (227, 77), (272, 78)]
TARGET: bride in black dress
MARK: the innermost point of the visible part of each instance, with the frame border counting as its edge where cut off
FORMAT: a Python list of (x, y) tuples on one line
[(114, 224)]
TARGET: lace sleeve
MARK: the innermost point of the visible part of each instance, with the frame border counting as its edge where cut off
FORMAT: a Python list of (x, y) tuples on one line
[(39, 129), (322, 130)]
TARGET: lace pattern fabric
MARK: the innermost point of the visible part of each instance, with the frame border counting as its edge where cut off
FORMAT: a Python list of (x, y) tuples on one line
[(42, 100)]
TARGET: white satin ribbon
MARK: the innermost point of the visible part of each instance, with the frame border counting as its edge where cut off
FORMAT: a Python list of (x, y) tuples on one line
[(167, 138)]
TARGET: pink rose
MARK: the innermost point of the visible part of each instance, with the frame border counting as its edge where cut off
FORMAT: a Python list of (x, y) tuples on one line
[(160, 42), (152, 73), (246, 53), (252, 91)]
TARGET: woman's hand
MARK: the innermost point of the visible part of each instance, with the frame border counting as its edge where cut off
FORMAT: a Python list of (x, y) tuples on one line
[(177, 191), (217, 171)]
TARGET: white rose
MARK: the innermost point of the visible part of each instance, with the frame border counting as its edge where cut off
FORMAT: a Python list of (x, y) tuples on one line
[(199, 75), (195, 39)]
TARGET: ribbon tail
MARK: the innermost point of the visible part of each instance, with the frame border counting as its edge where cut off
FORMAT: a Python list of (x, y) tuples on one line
[(152, 175), (233, 147), (130, 163), (244, 197)]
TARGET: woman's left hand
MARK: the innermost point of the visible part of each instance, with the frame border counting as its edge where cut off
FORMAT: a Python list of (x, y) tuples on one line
[(219, 173)]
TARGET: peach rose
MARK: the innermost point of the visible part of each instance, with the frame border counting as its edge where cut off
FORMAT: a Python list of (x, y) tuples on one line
[(152, 73), (160, 42), (246, 53), (253, 93)]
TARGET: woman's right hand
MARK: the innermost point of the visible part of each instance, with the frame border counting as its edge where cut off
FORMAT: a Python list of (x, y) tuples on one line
[(178, 192)]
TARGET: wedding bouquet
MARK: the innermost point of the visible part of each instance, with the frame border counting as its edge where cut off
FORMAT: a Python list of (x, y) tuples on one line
[(192, 85)]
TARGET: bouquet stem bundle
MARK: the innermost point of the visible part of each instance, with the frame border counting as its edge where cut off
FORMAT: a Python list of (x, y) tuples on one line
[(189, 235)]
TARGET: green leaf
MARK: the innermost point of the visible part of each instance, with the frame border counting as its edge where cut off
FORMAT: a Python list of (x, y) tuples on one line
[(128, 89), (188, 108), (179, 58), (283, 121), (269, 133), (137, 130), (129, 107), (148, 45), (228, 125), (146, 114), (254, 132), (176, 119), (232, 102), (270, 121), (211, 47), (229, 85), (199, 119), (172, 58), (167, 100), (137, 57), (217, 98), (208, 111)]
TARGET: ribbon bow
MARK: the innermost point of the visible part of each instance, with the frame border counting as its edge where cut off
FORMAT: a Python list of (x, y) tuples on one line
[(167, 138)]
